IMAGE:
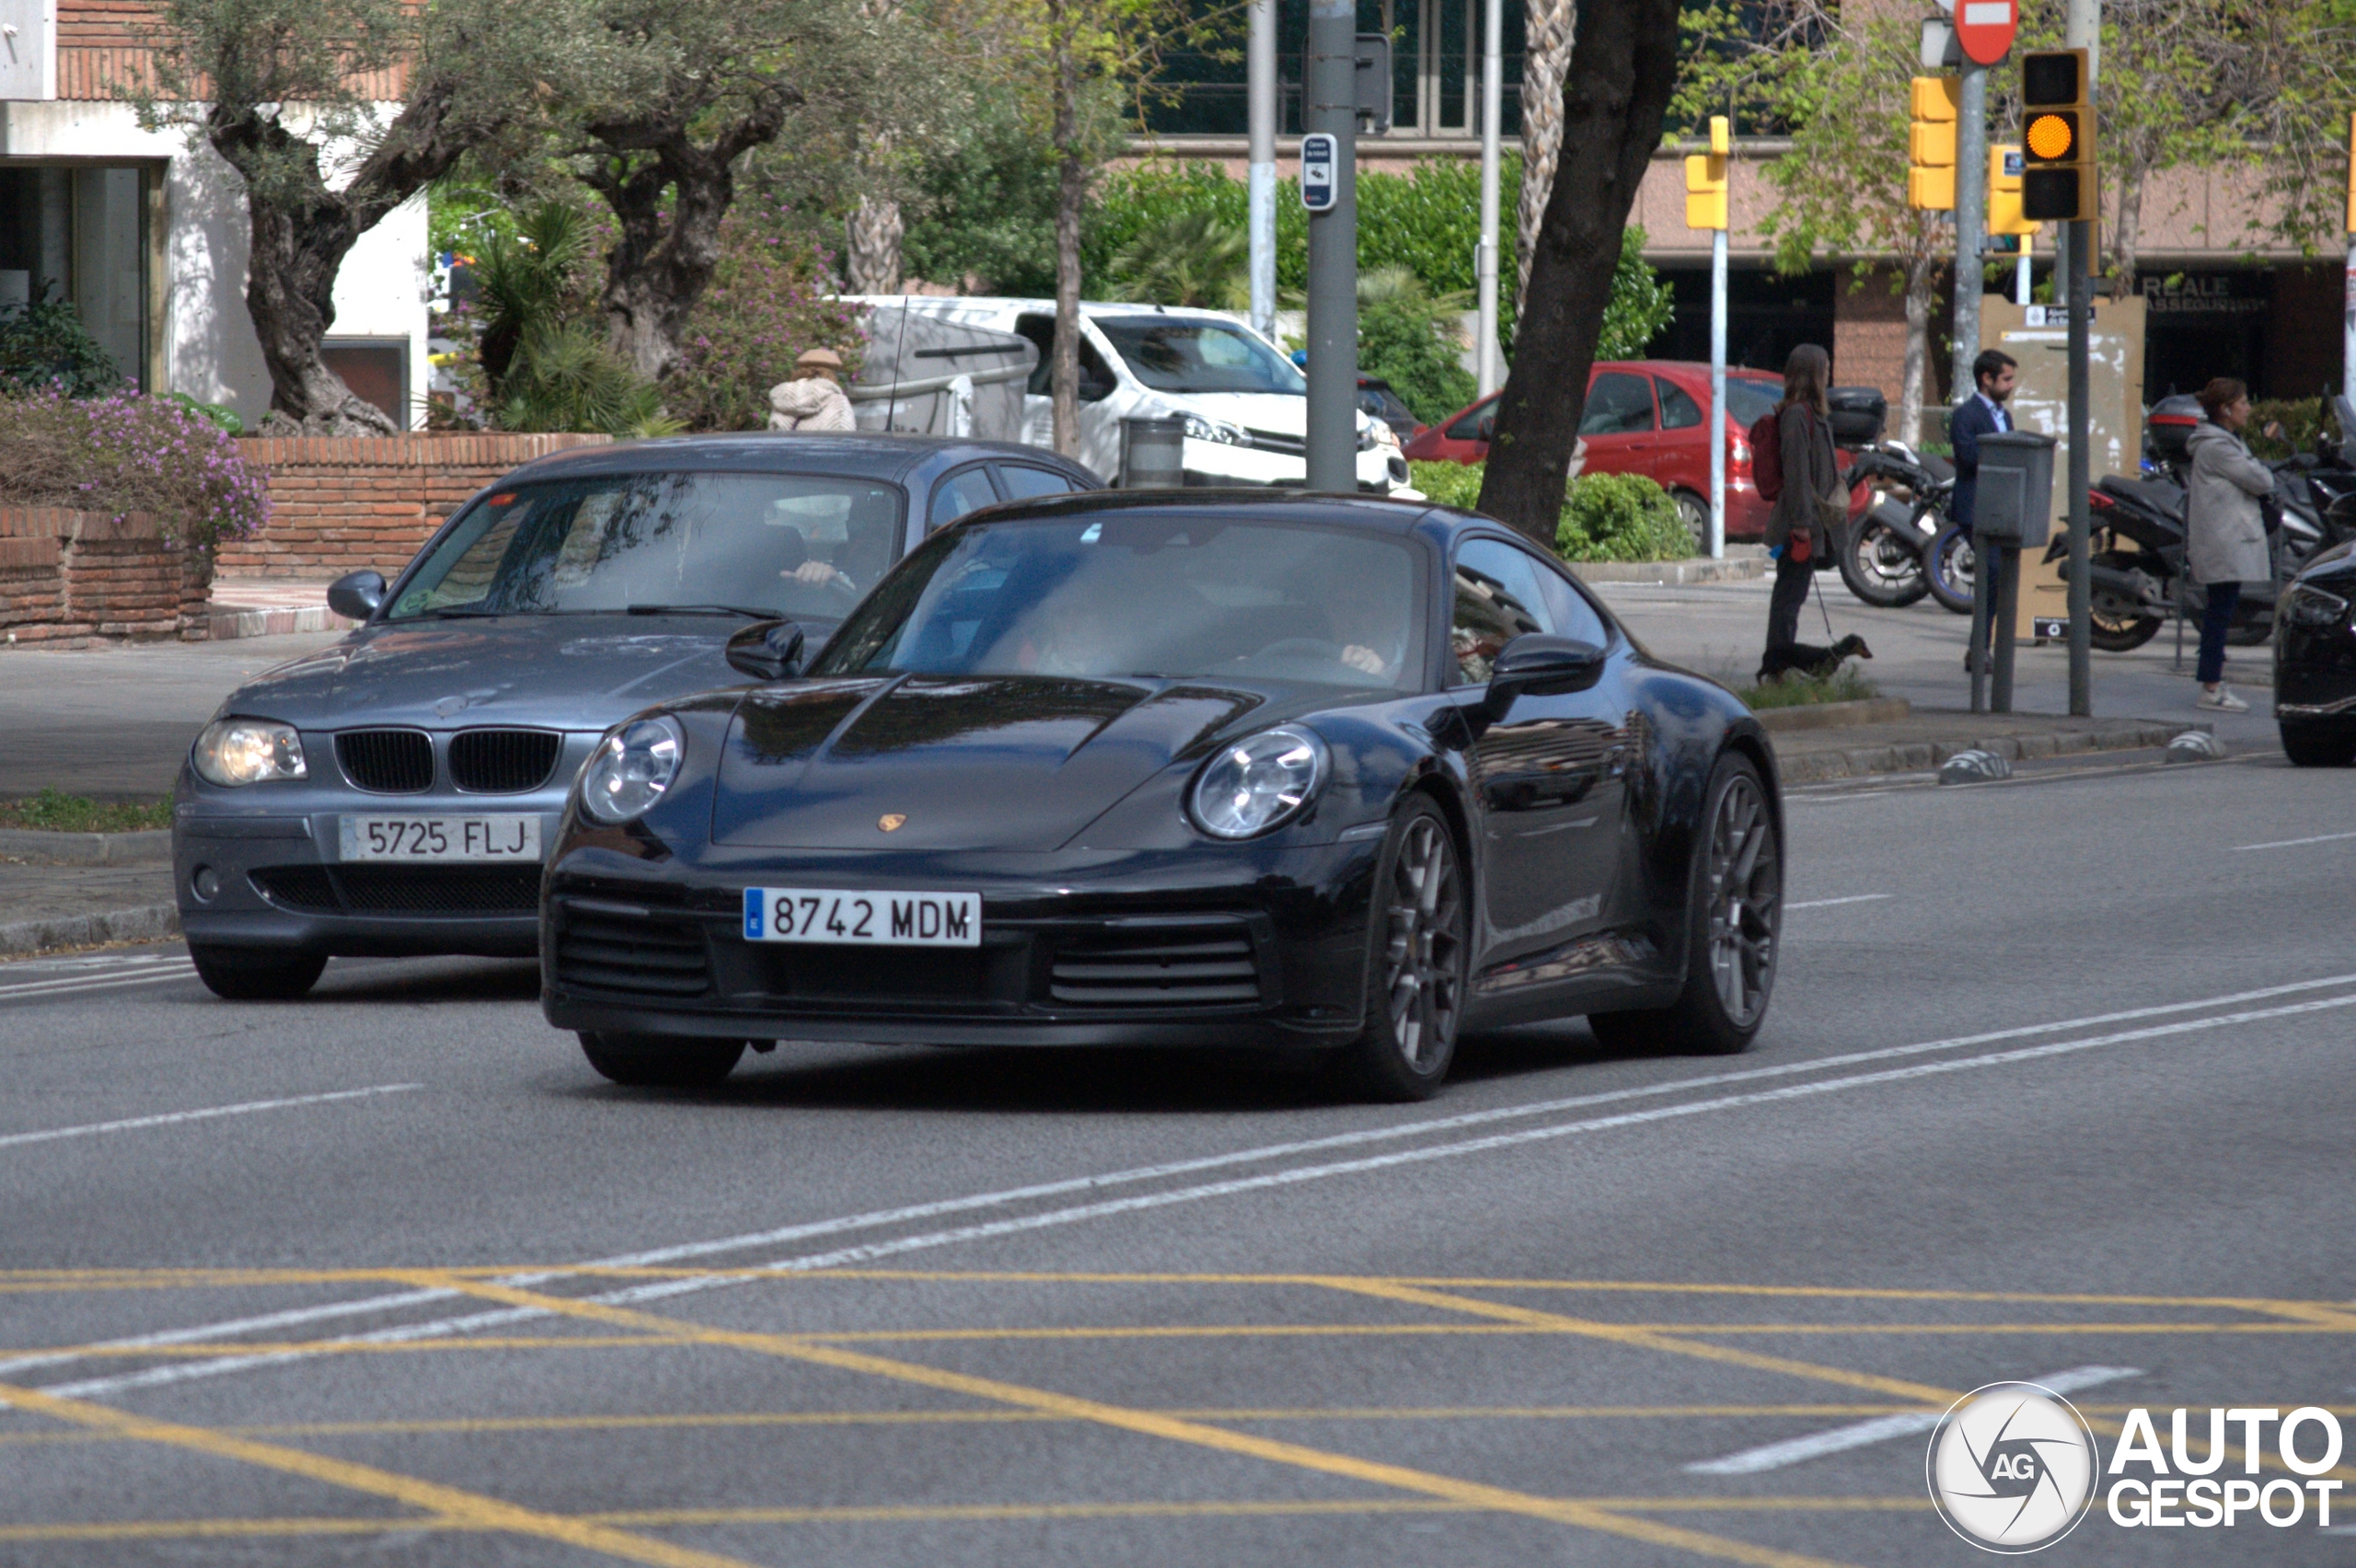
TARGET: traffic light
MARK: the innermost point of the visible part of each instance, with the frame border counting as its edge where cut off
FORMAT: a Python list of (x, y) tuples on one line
[(1936, 103), (1706, 180), (2059, 183), (2004, 214)]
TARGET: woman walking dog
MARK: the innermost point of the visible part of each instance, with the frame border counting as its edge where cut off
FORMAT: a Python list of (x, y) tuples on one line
[(1810, 505)]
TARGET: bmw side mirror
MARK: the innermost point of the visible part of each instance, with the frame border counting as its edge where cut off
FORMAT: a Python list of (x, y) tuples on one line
[(768, 651), (357, 595), (1539, 666)]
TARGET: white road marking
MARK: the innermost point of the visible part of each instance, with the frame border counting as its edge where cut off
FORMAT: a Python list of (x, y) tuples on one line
[(871, 1252), (1863, 1433), (66, 984), (1852, 898), (2296, 842), (170, 1118)]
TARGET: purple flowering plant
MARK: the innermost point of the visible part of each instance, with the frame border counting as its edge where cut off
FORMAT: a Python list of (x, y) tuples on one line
[(125, 453), (767, 303)]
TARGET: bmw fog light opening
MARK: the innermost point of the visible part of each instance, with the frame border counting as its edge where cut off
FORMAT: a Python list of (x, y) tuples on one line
[(631, 768), (234, 753), (1258, 783)]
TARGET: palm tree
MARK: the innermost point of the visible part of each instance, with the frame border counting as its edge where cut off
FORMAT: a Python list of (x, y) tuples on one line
[(1196, 257)]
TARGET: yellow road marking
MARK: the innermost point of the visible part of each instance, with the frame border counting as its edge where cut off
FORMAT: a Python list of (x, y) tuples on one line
[(658, 1519), (468, 1508), (1148, 1424)]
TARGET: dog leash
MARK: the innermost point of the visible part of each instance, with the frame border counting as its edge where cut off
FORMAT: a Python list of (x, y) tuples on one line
[(1818, 579)]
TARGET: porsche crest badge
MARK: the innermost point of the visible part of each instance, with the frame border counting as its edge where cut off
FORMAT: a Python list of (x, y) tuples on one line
[(891, 822)]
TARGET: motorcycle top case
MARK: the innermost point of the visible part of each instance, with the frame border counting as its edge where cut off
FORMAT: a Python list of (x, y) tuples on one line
[(2171, 423), (1858, 414)]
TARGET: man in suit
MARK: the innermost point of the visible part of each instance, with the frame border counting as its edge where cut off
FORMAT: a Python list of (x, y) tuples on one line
[(1982, 413)]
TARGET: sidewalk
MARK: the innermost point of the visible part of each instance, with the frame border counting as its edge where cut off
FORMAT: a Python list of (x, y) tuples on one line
[(1896, 740), (85, 888), (270, 607)]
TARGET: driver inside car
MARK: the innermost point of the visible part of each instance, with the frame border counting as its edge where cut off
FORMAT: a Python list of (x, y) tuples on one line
[(854, 549)]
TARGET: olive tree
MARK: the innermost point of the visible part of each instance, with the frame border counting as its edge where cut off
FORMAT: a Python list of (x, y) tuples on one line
[(333, 113)]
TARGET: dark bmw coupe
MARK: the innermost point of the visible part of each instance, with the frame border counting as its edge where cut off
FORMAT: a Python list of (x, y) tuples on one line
[(1219, 770), (2315, 662), (396, 793)]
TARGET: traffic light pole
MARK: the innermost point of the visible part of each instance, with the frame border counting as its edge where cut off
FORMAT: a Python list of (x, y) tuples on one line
[(1260, 73), (1971, 222), (1330, 105), (1490, 373), (2085, 24), (1718, 392)]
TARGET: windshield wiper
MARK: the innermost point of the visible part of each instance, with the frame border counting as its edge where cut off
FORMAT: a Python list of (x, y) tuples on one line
[(464, 612), (701, 610)]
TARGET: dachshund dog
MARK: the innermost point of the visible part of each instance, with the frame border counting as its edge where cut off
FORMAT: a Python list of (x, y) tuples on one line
[(1810, 660)]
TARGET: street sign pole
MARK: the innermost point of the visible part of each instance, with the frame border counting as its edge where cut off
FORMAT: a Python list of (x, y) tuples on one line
[(1330, 115), (2085, 32), (1718, 393), (1971, 220), (2348, 329), (1489, 372), (1261, 192)]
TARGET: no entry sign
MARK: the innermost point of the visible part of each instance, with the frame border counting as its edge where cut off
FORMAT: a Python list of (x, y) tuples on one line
[(1984, 28)]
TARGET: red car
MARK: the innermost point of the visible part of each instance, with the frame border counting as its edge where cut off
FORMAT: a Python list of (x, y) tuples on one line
[(1647, 417)]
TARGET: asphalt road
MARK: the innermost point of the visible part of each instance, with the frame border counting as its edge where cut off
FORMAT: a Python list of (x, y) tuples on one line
[(2056, 1085)]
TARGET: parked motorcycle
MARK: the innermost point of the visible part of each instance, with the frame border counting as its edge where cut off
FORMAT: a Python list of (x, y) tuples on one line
[(1882, 556)]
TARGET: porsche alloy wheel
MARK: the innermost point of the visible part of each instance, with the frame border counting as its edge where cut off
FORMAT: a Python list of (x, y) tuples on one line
[(1734, 914), (1745, 885), (1417, 982), (655, 1061)]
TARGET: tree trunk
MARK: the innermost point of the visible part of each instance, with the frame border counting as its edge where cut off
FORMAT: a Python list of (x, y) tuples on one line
[(2120, 271), (1071, 187), (872, 261), (1552, 27), (1922, 273), (1622, 69), (290, 293)]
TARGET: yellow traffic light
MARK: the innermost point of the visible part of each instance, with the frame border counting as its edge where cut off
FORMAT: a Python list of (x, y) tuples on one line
[(2059, 180), (2004, 214), (1706, 180), (1935, 104)]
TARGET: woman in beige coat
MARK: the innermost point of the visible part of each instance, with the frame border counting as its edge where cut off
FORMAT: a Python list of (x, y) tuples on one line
[(2226, 531)]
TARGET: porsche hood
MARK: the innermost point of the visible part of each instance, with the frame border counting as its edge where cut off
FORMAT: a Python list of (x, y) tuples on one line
[(1007, 762)]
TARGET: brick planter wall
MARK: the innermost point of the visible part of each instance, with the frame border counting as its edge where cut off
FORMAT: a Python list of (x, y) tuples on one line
[(341, 503), (72, 577)]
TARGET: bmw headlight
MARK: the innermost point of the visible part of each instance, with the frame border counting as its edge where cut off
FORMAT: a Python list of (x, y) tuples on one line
[(631, 768), (236, 752), (1259, 782), (2310, 607), (1226, 435)]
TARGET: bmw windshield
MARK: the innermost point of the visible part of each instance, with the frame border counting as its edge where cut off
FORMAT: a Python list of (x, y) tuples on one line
[(1109, 597), (758, 545)]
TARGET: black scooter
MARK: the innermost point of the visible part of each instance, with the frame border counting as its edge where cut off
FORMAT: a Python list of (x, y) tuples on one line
[(1884, 556)]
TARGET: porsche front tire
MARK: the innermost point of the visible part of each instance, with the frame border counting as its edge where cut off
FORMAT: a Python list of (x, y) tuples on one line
[(1418, 951), (656, 1061), (1733, 918)]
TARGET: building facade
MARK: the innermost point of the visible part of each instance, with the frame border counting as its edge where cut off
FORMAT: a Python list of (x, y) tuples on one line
[(147, 234)]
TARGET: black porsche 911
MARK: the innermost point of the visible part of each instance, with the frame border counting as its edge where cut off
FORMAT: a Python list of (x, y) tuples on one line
[(1192, 768), (2315, 662)]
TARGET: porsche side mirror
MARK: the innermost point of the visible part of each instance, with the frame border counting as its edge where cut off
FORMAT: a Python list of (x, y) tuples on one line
[(1539, 666), (768, 651), (357, 595)]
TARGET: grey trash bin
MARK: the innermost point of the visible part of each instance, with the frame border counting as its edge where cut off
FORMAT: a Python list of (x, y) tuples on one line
[(2016, 500), (1153, 453)]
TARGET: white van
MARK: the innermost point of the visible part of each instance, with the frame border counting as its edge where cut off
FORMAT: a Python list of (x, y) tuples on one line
[(1245, 404)]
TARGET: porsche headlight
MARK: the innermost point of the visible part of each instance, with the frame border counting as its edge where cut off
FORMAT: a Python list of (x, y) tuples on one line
[(1226, 435), (1258, 782), (631, 768), (236, 752)]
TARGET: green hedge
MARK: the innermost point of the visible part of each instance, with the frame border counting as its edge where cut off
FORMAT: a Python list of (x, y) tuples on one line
[(1605, 517)]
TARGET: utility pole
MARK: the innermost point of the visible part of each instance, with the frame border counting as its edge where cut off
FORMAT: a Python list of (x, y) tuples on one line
[(2085, 31), (1484, 256), (2348, 330), (1971, 222), (1261, 71), (1707, 207), (1330, 116)]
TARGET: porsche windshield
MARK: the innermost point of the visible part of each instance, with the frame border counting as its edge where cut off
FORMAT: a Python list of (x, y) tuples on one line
[(798, 545), (1146, 596)]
